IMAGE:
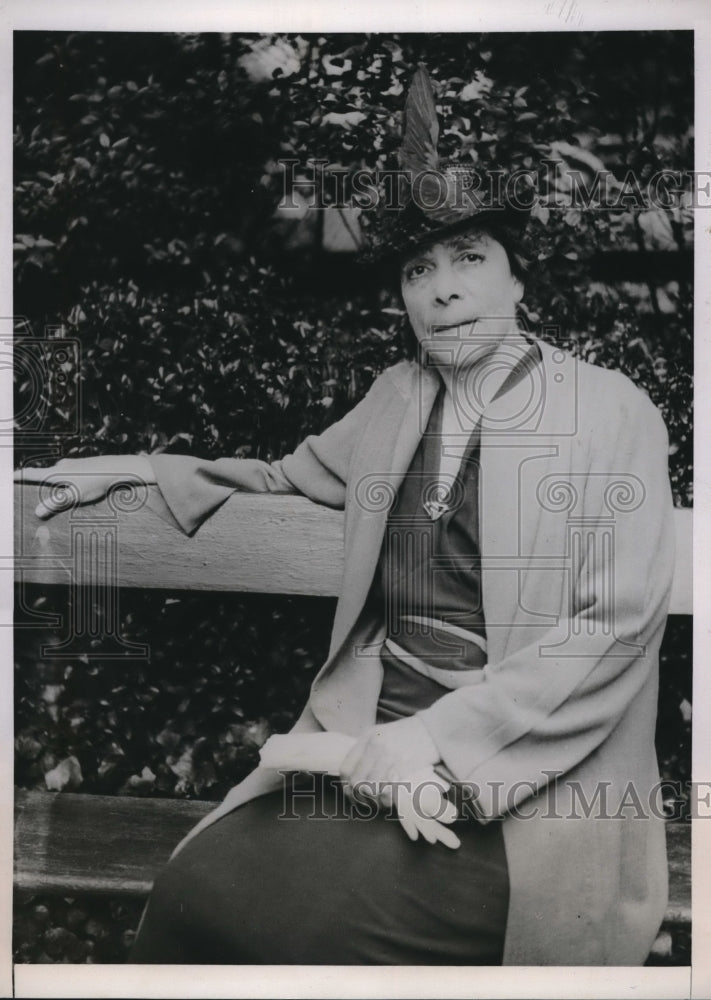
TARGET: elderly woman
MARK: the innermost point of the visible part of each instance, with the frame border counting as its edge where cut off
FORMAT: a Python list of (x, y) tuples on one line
[(507, 572)]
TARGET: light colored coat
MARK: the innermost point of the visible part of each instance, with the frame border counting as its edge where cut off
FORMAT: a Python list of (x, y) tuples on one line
[(577, 543)]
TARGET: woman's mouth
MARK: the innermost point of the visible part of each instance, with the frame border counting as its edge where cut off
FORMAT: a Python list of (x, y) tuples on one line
[(463, 328)]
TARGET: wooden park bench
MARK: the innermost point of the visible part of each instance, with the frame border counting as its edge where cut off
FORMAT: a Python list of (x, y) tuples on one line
[(114, 846)]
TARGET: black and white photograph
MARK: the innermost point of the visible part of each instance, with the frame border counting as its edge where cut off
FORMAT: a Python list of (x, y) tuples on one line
[(353, 444)]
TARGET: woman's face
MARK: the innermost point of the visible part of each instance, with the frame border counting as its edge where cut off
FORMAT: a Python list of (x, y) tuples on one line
[(460, 292)]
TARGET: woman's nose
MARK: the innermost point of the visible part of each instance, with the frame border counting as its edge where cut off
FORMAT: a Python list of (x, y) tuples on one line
[(447, 287)]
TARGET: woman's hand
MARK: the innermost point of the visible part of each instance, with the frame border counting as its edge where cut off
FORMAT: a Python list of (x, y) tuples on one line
[(84, 480), (389, 752), (392, 765), (417, 793)]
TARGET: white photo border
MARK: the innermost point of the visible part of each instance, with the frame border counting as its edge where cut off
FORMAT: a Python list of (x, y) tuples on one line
[(330, 981)]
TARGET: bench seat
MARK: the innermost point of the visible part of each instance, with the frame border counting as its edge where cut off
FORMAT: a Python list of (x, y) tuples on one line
[(114, 846)]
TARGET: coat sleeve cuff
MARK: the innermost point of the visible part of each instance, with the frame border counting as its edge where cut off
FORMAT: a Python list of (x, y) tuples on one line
[(194, 488)]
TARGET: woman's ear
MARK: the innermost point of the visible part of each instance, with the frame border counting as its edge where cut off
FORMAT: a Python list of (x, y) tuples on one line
[(518, 290)]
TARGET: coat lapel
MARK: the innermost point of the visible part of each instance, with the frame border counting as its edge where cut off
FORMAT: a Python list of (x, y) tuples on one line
[(389, 446), (345, 693), (526, 435)]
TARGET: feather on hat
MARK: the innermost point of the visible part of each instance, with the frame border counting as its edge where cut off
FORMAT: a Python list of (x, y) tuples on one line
[(437, 196)]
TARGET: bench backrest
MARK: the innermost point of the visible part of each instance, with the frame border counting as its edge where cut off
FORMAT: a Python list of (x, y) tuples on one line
[(254, 542)]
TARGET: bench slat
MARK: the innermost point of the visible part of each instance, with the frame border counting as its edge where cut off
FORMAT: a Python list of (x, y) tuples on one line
[(110, 845), (115, 845), (679, 855), (254, 542)]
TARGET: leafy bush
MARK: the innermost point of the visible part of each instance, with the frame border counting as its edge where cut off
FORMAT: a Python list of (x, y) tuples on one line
[(147, 179), (188, 720)]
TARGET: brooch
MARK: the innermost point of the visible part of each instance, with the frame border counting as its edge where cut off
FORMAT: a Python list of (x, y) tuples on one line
[(435, 508), (437, 501)]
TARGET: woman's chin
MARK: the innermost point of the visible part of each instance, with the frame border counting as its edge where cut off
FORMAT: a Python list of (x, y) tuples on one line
[(458, 352)]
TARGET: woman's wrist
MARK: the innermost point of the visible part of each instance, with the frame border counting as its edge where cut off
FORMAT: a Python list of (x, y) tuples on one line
[(144, 469), (130, 466), (419, 735)]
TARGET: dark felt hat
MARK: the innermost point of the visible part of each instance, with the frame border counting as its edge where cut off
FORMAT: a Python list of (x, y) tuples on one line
[(436, 198)]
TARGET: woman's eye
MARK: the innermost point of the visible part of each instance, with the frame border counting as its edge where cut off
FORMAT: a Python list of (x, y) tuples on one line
[(415, 270), (472, 257)]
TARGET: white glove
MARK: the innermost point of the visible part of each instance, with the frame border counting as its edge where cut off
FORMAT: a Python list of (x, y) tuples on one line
[(418, 799), (84, 480)]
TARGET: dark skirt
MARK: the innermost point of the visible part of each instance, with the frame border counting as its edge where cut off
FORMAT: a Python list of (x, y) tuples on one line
[(304, 877)]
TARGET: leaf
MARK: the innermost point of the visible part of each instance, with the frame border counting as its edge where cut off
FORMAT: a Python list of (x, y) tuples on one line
[(541, 213), (77, 315), (477, 88), (67, 774), (137, 784), (27, 747), (51, 693), (168, 739), (183, 767), (60, 942), (347, 120), (336, 65)]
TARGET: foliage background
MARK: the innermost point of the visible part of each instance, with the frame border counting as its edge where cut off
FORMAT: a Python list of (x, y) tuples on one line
[(210, 322)]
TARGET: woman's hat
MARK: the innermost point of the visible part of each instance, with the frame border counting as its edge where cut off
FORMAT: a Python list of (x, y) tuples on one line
[(437, 197)]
